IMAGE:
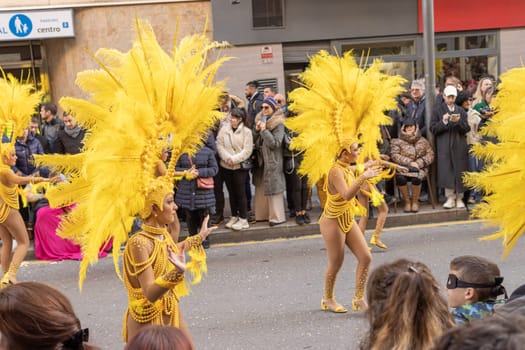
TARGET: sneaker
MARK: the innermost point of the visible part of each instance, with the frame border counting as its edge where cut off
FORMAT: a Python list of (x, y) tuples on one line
[(241, 224), (450, 203), (472, 200), (306, 218), (251, 218), (460, 203), (299, 219), (231, 222), (217, 219)]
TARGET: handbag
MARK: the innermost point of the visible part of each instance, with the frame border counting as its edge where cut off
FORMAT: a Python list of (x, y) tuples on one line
[(203, 183), (246, 164)]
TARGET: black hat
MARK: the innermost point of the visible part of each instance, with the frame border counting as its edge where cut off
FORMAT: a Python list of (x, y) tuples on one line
[(409, 122), (462, 97)]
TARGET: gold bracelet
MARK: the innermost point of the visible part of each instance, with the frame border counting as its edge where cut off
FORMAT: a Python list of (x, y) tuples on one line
[(170, 279), (194, 241), (361, 179)]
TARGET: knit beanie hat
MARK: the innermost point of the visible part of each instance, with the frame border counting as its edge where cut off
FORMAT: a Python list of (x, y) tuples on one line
[(270, 101)]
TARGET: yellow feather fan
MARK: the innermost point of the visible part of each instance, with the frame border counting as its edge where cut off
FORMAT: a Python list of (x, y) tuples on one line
[(19, 101), (339, 102), (502, 180), (140, 101)]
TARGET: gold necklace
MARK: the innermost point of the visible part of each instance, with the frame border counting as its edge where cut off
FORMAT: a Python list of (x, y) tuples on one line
[(160, 231)]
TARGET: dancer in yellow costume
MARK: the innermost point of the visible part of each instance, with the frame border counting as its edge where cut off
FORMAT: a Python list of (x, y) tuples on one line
[(502, 179), (142, 102), (339, 108), (17, 106)]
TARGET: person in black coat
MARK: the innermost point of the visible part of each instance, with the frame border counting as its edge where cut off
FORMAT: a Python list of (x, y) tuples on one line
[(196, 202), (449, 124), (70, 140)]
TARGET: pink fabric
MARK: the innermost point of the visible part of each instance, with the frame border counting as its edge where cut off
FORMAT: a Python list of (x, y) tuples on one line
[(48, 245)]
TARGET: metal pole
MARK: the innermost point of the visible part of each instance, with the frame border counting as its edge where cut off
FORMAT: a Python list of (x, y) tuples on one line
[(429, 60), (430, 78)]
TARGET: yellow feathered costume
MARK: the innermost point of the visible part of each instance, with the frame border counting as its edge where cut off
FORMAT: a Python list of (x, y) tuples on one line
[(140, 102), (18, 103), (340, 103), (502, 180)]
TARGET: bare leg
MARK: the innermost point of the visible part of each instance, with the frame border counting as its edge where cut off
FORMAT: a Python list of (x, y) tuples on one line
[(363, 200), (381, 219), (357, 244), (7, 246), (16, 227), (183, 326), (334, 242)]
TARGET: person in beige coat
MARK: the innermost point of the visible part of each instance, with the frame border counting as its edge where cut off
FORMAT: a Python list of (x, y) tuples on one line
[(234, 146)]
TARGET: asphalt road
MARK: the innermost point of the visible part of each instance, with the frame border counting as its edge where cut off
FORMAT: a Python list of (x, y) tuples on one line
[(267, 295)]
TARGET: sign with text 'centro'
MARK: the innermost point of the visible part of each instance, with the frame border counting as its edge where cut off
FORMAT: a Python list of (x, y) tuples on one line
[(28, 25)]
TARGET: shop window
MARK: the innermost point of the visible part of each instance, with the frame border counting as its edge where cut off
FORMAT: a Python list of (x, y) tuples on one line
[(267, 13), (382, 49), (466, 56)]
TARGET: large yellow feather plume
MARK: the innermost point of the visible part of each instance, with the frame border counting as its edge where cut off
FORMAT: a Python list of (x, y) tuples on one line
[(140, 101), (18, 103), (339, 103), (502, 180)]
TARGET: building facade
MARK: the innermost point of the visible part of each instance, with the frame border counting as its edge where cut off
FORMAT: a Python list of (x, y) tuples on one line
[(274, 38), (54, 54)]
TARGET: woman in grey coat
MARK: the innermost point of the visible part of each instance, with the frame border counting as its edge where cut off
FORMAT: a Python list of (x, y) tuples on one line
[(268, 176)]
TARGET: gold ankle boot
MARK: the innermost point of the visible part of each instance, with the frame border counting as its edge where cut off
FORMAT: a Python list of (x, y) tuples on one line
[(329, 283)]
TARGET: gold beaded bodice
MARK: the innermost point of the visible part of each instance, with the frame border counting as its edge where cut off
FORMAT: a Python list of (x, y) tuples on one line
[(154, 243), (336, 206), (9, 197)]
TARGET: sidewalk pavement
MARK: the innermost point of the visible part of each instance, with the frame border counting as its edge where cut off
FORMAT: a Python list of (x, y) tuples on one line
[(261, 231)]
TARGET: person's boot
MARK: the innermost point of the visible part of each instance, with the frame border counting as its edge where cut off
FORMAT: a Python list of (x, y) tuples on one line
[(406, 198), (416, 190)]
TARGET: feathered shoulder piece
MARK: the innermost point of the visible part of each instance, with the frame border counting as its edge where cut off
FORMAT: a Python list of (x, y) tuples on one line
[(140, 102), (504, 175), (18, 103), (339, 103)]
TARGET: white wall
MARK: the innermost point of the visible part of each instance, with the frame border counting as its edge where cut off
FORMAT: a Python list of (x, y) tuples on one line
[(512, 48), (248, 65)]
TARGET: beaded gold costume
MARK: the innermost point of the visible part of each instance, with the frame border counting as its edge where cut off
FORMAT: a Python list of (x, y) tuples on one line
[(140, 308), (9, 197), (338, 208)]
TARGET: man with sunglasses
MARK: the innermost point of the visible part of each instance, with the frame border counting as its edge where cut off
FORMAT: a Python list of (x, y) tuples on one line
[(474, 284)]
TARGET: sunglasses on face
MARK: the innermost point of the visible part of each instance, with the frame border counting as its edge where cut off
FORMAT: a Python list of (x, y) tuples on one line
[(454, 282)]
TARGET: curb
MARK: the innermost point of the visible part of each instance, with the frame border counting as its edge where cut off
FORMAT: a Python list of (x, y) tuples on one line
[(261, 231)]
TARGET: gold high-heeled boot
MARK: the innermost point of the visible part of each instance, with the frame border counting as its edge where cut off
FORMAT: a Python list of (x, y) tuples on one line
[(328, 294), (379, 228), (359, 303), (9, 277)]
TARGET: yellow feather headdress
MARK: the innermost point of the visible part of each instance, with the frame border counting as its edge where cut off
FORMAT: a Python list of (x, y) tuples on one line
[(18, 103), (339, 103), (140, 101), (504, 175)]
